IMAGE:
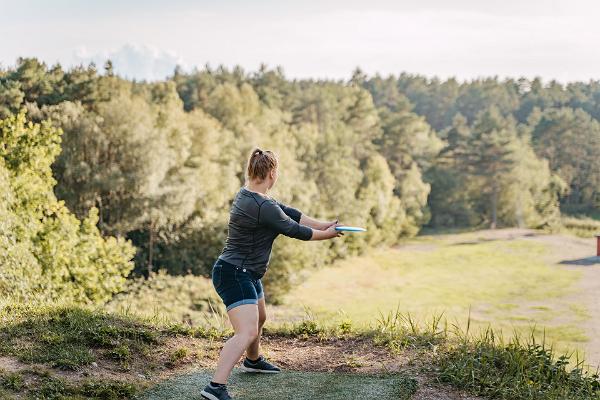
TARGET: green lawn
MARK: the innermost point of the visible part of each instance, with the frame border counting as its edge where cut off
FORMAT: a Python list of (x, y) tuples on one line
[(291, 385), (505, 283)]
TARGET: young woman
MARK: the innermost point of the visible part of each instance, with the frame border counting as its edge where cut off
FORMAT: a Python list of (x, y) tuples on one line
[(255, 221)]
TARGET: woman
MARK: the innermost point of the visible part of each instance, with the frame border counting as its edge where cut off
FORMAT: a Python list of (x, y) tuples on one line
[(255, 221)]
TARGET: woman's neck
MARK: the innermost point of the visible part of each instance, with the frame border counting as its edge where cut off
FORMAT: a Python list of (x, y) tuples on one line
[(258, 187)]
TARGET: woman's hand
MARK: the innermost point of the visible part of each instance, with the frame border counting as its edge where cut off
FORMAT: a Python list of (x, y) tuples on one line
[(328, 233), (331, 231), (329, 224)]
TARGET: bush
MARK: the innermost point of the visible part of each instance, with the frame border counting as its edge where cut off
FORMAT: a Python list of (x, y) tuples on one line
[(581, 226), (188, 299)]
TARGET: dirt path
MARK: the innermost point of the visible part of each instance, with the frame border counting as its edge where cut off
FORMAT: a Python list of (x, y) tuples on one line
[(565, 252), (577, 254)]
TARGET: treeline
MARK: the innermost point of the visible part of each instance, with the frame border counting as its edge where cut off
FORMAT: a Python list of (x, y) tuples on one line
[(160, 162), (553, 123)]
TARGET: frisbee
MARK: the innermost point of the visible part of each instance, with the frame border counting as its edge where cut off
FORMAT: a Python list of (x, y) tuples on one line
[(350, 229)]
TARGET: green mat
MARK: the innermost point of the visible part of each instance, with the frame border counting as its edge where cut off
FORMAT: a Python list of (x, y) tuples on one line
[(290, 385)]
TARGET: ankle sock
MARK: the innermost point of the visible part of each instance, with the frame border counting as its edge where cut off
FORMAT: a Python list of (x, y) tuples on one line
[(217, 385), (253, 361)]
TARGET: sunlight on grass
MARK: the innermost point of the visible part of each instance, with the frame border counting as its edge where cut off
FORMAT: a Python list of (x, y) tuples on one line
[(505, 284)]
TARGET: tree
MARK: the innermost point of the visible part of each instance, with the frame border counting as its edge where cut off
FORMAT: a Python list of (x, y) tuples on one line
[(47, 253), (570, 140), (409, 145), (488, 154)]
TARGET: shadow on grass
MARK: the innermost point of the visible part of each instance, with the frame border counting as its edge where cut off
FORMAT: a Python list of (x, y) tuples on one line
[(290, 385), (583, 261)]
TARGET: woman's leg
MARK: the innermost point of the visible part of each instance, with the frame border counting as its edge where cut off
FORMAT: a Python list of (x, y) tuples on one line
[(244, 319), (253, 351)]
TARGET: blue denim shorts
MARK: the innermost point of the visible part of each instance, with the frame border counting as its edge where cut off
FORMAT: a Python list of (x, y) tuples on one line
[(235, 285)]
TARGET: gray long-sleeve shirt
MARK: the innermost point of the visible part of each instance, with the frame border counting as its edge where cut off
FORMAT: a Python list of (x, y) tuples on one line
[(254, 222)]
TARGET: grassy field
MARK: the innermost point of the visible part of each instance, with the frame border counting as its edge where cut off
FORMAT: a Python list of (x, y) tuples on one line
[(508, 284)]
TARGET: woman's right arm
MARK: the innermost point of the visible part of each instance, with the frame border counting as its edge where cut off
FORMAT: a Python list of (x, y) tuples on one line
[(271, 215), (329, 233)]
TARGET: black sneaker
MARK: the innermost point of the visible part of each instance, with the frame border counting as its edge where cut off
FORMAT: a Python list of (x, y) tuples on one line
[(215, 393), (260, 366)]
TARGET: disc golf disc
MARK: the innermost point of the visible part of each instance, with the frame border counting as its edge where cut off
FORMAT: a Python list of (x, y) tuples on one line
[(350, 229)]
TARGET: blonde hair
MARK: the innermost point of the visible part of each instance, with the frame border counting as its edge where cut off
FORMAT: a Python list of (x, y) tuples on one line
[(260, 164)]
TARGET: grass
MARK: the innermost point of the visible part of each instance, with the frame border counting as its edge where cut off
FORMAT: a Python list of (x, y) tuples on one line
[(504, 283), (485, 365), (482, 365), (41, 385), (516, 370), (488, 365), (68, 337)]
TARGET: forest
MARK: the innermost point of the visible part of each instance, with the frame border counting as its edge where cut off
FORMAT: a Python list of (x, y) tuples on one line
[(105, 179)]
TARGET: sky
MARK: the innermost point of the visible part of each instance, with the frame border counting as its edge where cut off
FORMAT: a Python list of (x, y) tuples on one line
[(465, 39)]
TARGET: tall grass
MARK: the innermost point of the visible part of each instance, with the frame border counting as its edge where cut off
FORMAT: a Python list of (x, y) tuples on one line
[(399, 331), (486, 364), (516, 369)]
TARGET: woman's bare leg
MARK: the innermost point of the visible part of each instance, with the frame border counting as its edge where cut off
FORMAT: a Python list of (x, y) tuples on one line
[(244, 319), (253, 351)]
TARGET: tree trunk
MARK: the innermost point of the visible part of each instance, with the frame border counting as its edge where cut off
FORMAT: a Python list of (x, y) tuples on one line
[(494, 206), (150, 245)]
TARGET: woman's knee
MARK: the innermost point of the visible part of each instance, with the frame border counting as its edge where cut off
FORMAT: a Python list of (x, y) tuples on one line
[(248, 334)]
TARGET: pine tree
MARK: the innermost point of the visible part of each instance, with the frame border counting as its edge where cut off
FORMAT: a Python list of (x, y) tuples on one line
[(487, 154)]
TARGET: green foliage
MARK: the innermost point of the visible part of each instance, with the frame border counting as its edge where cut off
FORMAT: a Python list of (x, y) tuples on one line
[(570, 141), (48, 251), (490, 174)]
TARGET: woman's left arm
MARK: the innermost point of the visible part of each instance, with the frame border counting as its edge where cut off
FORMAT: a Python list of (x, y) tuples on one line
[(305, 220), (315, 223)]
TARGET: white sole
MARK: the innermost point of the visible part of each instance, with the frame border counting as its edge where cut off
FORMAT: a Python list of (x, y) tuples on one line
[(208, 396), (257, 371)]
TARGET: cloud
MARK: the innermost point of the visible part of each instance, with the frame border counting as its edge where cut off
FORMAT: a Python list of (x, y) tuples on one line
[(141, 62)]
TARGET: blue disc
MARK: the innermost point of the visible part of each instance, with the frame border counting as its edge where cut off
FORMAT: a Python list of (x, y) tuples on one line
[(350, 229)]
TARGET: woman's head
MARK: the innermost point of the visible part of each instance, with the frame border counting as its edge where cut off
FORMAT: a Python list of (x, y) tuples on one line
[(262, 166)]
